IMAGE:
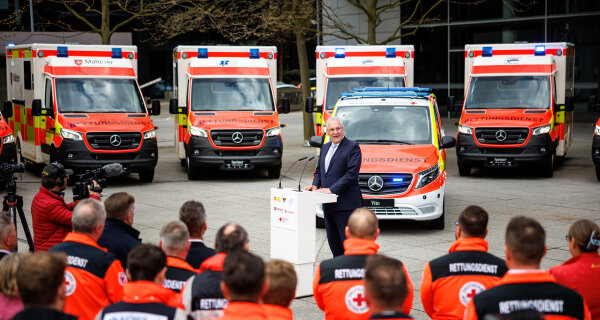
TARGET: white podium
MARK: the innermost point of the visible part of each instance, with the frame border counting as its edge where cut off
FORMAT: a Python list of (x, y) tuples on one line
[(293, 231)]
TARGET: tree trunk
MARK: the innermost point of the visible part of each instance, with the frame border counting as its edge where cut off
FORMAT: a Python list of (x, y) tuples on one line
[(372, 22), (105, 33), (309, 129)]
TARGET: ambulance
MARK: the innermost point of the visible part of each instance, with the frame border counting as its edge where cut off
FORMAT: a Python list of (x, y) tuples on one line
[(80, 105), (400, 134), (518, 106), (594, 106), (344, 68), (7, 143), (227, 115)]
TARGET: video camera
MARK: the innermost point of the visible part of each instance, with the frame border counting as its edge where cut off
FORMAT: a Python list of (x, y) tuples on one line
[(80, 188), (7, 171)]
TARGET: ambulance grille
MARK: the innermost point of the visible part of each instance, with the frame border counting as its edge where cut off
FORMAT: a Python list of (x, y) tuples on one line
[(102, 140), (511, 135), (225, 138), (401, 211), (389, 185)]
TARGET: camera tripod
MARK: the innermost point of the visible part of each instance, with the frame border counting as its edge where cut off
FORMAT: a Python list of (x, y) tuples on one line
[(13, 203)]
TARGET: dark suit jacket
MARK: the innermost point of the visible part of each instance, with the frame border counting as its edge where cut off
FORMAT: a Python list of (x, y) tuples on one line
[(198, 253), (119, 238), (342, 176)]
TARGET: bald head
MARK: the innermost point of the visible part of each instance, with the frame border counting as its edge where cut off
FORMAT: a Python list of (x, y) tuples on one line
[(363, 224), (88, 218), (231, 237)]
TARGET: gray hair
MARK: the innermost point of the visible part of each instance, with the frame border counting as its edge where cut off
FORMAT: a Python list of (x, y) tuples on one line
[(88, 214), (6, 224), (174, 237), (335, 118)]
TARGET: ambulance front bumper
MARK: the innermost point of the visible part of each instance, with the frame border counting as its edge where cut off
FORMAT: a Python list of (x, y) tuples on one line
[(8, 153), (539, 149), (76, 155), (203, 154)]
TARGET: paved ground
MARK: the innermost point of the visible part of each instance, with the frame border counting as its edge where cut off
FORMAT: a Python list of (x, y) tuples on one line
[(572, 193)]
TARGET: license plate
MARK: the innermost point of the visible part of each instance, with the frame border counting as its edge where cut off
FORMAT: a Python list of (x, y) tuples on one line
[(500, 160), (378, 203), (237, 163)]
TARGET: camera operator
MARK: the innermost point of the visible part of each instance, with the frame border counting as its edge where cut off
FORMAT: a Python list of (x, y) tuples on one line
[(51, 215)]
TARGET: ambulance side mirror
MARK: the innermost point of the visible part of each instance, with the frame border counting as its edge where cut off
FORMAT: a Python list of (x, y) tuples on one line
[(569, 103), (36, 107), (284, 107), (448, 142), (155, 108), (310, 105), (592, 106), (173, 106), (7, 110), (316, 141)]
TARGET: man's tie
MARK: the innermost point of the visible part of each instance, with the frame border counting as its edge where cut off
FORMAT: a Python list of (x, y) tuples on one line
[(329, 156)]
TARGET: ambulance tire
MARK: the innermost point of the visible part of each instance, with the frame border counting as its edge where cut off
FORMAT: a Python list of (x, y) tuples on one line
[(274, 172), (598, 172), (438, 223), (320, 223), (146, 175), (182, 162), (464, 170), (192, 172), (547, 170)]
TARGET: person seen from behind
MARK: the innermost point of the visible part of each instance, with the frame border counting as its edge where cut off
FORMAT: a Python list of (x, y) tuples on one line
[(10, 303), (385, 288), (174, 242), (192, 213), (282, 280)]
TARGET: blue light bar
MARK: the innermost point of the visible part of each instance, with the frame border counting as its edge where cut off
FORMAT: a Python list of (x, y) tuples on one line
[(397, 179), (486, 51), (117, 53), (203, 53), (390, 52), (340, 53), (540, 50), (62, 52), (10, 44), (385, 89), (254, 54), (387, 92)]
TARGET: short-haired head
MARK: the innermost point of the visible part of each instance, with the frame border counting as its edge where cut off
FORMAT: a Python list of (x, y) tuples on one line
[(526, 240), (473, 221), (118, 205), (87, 215), (192, 213), (174, 237), (243, 276), (8, 234), (385, 282), (282, 283), (231, 237), (363, 224), (39, 278), (332, 119), (145, 262), (586, 234), (8, 273)]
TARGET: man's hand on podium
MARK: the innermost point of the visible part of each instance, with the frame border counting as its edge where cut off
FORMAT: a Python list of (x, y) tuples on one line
[(310, 188), (323, 190)]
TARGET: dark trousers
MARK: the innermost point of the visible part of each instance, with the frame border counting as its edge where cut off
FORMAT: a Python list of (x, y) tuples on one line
[(335, 227)]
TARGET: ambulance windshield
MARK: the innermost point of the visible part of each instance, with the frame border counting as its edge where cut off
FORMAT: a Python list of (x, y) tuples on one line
[(336, 86), (390, 124), (509, 92), (232, 94), (97, 95)]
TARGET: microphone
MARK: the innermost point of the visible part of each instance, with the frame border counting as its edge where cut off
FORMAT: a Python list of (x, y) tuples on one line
[(301, 174), (112, 170), (288, 170)]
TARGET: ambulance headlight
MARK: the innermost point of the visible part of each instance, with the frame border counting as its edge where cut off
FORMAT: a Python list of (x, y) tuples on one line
[(273, 132), (541, 130), (597, 131), (428, 176), (464, 129), (151, 134), (11, 138), (195, 131), (71, 135)]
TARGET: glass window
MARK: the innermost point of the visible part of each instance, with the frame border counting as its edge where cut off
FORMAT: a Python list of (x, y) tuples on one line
[(509, 92), (98, 95), (572, 6), (463, 11), (27, 75), (232, 94), (48, 103), (336, 86)]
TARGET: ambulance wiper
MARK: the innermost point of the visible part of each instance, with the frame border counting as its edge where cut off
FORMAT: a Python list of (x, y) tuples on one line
[(382, 141)]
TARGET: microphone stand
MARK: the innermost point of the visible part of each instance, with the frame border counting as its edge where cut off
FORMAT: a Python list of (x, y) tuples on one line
[(301, 174), (288, 170)]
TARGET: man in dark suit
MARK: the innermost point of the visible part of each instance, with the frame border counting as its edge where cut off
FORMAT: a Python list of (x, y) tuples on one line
[(337, 172), (192, 213)]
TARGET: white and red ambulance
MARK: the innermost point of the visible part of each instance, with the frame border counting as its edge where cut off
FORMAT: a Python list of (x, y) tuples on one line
[(227, 115), (518, 106), (7, 143), (344, 68), (80, 105)]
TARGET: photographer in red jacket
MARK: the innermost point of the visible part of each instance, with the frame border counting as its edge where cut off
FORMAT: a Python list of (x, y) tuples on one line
[(50, 213)]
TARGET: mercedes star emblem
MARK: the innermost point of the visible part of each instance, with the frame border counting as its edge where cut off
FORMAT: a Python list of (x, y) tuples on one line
[(375, 183), (237, 137), (115, 140), (500, 135)]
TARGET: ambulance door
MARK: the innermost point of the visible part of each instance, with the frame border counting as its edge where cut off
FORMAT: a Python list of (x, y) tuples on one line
[(23, 95), (46, 123), (439, 133)]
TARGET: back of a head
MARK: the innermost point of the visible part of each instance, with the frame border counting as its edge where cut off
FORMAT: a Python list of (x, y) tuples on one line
[(117, 205), (525, 239), (586, 234), (243, 275), (230, 238), (282, 283), (385, 283), (9, 265), (192, 213), (473, 221), (145, 261), (88, 214), (39, 277), (363, 224), (174, 237)]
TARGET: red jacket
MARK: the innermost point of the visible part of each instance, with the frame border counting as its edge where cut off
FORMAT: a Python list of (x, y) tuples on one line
[(582, 274), (147, 291), (243, 311), (275, 312), (51, 217)]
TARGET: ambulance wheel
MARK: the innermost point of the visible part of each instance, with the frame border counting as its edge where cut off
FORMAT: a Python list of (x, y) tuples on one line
[(146, 175), (274, 172), (547, 170), (191, 171), (598, 172), (438, 223), (320, 223), (464, 170), (182, 162)]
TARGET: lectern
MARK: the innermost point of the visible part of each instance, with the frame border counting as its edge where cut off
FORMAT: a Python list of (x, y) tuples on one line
[(293, 231)]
